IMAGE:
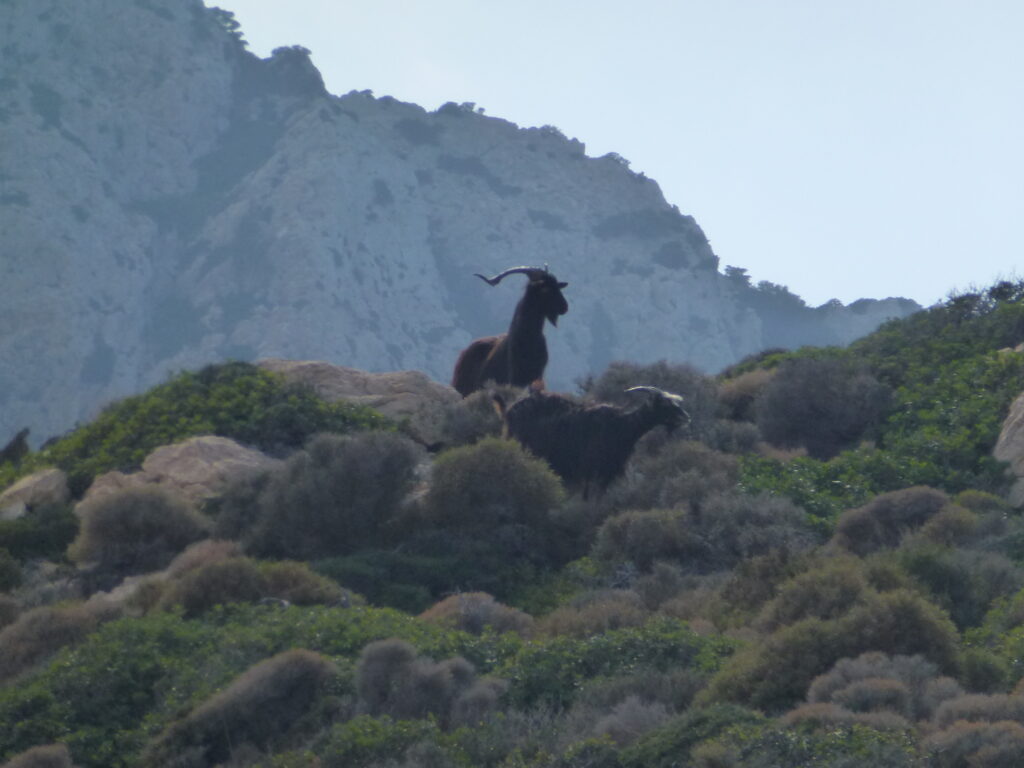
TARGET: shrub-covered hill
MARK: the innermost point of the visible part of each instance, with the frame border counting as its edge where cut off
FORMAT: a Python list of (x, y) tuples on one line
[(821, 569)]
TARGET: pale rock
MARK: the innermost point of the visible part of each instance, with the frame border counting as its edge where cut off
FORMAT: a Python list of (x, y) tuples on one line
[(198, 469), (45, 487), (1010, 448), (405, 396)]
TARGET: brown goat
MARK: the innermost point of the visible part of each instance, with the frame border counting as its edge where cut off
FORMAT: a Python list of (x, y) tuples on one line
[(519, 356)]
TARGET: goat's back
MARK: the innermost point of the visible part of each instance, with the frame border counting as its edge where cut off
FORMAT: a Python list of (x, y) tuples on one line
[(468, 375)]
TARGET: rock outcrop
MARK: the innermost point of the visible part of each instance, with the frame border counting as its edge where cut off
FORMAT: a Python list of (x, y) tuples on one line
[(43, 488), (170, 200), (198, 469), (408, 397), (1010, 448)]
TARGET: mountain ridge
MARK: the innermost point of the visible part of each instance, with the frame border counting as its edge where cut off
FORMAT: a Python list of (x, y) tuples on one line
[(173, 200)]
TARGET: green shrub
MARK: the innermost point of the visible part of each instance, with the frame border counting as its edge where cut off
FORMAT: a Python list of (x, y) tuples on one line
[(42, 532), (549, 671), (236, 400), (259, 708), (823, 404), (367, 742), (408, 582), (964, 582), (853, 742), (339, 495), (9, 610), (671, 744), (134, 530), (775, 674), (10, 571)]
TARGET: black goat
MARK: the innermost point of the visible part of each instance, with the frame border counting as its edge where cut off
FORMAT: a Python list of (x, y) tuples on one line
[(588, 445), (519, 356)]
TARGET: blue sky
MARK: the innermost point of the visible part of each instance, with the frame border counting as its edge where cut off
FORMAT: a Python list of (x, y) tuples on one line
[(843, 149)]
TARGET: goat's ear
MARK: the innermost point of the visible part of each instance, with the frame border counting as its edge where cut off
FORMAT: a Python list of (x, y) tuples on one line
[(562, 285)]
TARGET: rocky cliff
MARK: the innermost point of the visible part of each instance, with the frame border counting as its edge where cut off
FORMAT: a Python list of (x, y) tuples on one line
[(168, 199)]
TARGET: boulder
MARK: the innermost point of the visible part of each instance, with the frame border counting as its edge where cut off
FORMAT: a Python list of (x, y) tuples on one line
[(1010, 448), (47, 486), (199, 468), (408, 396)]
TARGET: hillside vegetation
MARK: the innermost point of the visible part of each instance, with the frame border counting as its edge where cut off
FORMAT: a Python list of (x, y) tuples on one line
[(821, 569)]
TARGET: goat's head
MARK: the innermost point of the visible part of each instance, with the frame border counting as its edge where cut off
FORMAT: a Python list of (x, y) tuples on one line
[(668, 407), (543, 288)]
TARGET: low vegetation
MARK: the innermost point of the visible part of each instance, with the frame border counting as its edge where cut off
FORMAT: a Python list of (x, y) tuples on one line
[(821, 569)]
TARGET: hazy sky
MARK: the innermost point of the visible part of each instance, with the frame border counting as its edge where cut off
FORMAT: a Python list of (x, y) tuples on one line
[(851, 149)]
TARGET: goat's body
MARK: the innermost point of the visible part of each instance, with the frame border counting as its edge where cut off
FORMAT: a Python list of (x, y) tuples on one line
[(586, 445), (516, 358)]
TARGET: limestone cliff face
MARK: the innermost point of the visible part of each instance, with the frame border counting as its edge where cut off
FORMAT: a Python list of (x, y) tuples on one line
[(168, 199)]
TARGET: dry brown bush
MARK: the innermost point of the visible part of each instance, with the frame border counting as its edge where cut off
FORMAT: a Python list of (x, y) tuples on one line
[(976, 745), (339, 495), (631, 719), (666, 473), (478, 702), (831, 716), (664, 582), (826, 592), (135, 530), (242, 579), (596, 613), (475, 611), (823, 404), (237, 580), (261, 706), (737, 395), (392, 680), (297, 583), (979, 707), (908, 685), (41, 632), (201, 553), (951, 526), (48, 756), (883, 521), (645, 536)]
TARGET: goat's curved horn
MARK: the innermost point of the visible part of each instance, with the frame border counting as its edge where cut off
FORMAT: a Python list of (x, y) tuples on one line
[(530, 272), (661, 392)]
